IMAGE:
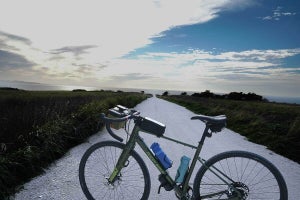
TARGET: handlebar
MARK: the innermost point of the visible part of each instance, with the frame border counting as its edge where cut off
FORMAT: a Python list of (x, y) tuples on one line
[(108, 122)]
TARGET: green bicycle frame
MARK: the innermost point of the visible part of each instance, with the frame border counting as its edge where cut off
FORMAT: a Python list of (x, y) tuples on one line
[(135, 138)]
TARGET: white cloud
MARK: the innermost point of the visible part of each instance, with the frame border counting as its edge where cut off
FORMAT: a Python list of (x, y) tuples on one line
[(55, 35), (190, 69), (277, 14), (116, 27), (200, 70), (261, 55), (113, 28), (194, 55)]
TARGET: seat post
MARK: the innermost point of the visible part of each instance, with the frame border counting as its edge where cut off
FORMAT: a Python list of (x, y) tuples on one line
[(204, 135), (196, 156)]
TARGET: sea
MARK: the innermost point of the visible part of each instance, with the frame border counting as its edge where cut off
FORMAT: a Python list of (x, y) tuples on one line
[(46, 87)]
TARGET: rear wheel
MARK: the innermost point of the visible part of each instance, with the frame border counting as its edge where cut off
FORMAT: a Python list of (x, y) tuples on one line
[(249, 176), (98, 163)]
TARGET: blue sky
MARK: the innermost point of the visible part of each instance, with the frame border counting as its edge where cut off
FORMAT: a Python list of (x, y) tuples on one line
[(220, 45), (235, 31)]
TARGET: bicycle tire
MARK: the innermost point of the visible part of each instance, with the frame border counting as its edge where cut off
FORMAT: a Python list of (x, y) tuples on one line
[(229, 163), (109, 152)]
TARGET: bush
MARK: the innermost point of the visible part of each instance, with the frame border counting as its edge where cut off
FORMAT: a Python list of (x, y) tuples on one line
[(272, 124), (55, 122), (166, 93)]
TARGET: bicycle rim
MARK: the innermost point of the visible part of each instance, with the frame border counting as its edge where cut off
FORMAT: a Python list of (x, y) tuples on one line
[(248, 175), (96, 166)]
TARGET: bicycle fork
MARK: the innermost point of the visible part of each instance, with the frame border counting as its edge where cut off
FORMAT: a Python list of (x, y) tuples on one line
[(123, 159)]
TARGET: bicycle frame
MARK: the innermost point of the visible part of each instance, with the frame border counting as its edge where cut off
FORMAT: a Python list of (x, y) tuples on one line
[(135, 138)]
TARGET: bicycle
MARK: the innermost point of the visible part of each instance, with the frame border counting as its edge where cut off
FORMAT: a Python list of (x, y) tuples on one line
[(114, 170)]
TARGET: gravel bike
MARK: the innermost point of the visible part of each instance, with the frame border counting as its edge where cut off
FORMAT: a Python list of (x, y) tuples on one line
[(114, 170)]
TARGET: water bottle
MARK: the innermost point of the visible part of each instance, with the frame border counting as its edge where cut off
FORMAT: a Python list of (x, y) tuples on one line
[(182, 169), (161, 156)]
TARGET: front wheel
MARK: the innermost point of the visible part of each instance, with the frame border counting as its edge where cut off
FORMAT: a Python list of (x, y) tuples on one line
[(239, 175), (98, 163)]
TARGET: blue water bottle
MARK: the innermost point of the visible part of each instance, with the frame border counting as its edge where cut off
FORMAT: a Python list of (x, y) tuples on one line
[(182, 169), (161, 156)]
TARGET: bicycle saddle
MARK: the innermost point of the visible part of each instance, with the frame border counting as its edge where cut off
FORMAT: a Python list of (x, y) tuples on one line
[(215, 123)]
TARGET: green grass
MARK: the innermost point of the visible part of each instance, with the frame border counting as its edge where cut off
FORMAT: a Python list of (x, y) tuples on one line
[(39, 127), (274, 125)]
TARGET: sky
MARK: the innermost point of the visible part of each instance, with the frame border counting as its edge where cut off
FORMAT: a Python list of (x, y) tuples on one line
[(184, 45)]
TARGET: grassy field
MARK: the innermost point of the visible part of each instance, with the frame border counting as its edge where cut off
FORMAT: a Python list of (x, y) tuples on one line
[(274, 125), (38, 127)]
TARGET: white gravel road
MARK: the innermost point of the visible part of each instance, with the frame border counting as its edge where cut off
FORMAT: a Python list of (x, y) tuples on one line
[(61, 179)]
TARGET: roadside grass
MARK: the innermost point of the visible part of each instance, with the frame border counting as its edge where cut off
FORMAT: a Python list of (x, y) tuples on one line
[(275, 125), (38, 127)]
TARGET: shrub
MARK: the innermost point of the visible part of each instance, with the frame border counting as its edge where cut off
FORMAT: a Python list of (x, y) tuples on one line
[(272, 124), (166, 93), (54, 122)]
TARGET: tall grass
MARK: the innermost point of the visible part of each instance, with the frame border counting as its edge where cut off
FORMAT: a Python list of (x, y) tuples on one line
[(274, 125), (39, 127)]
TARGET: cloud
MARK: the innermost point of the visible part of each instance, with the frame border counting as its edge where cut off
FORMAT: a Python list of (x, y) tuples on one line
[(58, 35), (20, 59), (260, 55), (61, 36), (7, 37), (9, 60), (194, 55), (115, 27), (131, 77), (278, 14), (192, 68), (84, 42), (76, 50), (8, 41)]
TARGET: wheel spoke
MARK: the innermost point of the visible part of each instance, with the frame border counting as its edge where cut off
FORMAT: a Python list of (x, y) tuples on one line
[(253, 178), (96, 166)]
